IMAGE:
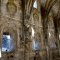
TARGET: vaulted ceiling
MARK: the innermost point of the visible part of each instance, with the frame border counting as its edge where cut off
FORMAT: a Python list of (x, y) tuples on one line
[(46, 6)]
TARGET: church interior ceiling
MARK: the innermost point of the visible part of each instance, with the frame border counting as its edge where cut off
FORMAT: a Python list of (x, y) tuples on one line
[(29, 29)]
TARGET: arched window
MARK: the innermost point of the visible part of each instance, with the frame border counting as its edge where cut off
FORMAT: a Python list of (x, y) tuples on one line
[(0, 52), (35, 4), (7, 43), (36, 45)]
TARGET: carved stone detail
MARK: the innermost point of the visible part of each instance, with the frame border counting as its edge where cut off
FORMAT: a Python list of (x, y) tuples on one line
[(11, 8)]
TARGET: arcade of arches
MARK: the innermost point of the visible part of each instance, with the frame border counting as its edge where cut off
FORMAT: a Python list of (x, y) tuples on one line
[(29, 29)]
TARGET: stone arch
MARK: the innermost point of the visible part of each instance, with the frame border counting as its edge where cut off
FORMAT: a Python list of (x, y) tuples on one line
[(14, 31)]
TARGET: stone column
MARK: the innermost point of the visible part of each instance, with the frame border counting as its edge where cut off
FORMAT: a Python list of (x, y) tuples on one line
[(51, 35), (37, 30), (58, 36), (51, 32), (0, 31), (17, 53), (26, 37), (0, 45)]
